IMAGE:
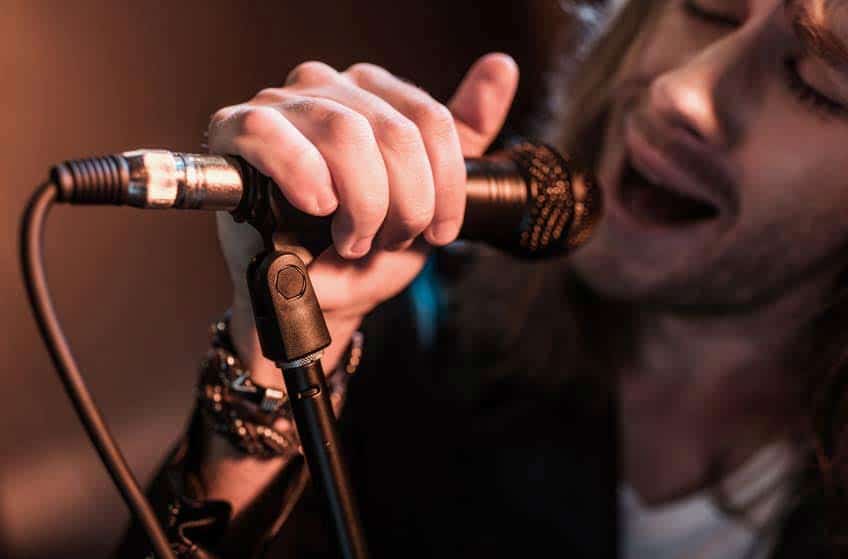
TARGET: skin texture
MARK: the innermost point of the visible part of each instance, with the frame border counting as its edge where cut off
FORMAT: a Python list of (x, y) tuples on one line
[(704, 99), (388, 160), (704, 104), (698, 90), (380, 153)]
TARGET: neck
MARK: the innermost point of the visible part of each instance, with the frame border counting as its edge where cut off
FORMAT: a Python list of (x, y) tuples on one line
[(684, 348), (714, 388)]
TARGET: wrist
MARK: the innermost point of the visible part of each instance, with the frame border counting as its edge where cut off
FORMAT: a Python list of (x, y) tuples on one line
[(258, 419), (342, 330), (246, 342)]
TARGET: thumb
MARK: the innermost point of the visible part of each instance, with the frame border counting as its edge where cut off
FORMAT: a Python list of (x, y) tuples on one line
[(482, 101)]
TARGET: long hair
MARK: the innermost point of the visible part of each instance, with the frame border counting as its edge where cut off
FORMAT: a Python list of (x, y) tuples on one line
[(580, 88), (501, 306), (582, 98)]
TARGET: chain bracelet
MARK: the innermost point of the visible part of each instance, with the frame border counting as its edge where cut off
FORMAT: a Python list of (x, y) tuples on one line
[(257, 419)]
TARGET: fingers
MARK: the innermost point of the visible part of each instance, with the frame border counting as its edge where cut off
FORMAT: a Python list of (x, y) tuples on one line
[(347, 287), (277, 149), (440, 140), (348, 144), (400, 141), (482, 101), (322, 154), (379, 152)]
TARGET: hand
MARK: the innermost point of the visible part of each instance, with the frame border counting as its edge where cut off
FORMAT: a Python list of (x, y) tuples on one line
[(379, 154)]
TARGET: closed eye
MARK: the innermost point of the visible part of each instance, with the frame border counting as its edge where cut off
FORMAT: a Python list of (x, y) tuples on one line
[(693, 9)]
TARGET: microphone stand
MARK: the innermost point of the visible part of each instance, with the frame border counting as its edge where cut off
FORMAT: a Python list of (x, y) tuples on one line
[(530, 184), (293, 333)]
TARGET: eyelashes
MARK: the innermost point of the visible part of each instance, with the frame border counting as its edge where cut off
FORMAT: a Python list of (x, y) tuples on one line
[(809, 95), (696, 11)]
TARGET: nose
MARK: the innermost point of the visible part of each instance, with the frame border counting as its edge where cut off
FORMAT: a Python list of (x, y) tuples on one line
[(710, 94)]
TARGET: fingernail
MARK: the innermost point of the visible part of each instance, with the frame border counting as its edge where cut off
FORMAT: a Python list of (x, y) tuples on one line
[(444, 231), (361, 246)]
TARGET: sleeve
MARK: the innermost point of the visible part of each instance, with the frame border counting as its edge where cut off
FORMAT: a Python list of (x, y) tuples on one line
[(279, 518), (420, 349), (200, 528)]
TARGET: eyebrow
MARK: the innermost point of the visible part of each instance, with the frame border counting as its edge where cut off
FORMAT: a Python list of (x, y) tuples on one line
[(817, 38)]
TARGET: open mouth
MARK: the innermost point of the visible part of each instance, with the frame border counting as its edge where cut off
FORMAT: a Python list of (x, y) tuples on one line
[(659, 204)]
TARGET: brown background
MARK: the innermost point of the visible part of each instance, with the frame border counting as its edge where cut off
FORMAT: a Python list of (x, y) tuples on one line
[(136, 289)]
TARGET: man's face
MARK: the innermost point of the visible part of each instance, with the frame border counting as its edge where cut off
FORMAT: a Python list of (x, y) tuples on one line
[(725, 164)]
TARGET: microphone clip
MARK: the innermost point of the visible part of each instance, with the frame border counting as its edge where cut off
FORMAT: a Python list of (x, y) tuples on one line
[(293, 334), (280, 224)]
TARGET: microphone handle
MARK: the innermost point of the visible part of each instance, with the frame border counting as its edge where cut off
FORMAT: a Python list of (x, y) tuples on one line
[(521, 200), (496, 199), (496, 202)]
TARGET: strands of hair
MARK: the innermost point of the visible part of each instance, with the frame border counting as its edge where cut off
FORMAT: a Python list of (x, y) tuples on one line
[(811, 20), (585, 23), (595, 39)]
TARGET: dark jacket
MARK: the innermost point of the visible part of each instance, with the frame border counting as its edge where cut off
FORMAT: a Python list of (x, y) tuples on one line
[(468, 431)]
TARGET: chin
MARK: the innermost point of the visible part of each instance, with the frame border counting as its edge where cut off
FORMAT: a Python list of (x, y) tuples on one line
[(620, 272), (654, 245), (603, 267), (617, 274), (632, 259)]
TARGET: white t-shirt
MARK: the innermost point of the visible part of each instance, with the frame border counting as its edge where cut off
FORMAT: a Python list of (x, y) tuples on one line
[(697, 528)]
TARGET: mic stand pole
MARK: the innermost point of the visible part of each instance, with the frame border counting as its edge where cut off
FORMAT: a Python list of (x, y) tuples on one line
[(293, 333)]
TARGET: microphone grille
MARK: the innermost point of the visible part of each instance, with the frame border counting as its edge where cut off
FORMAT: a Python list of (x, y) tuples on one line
[(563, 203)]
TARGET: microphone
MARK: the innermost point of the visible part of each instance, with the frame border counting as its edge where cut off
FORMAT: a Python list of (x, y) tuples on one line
[(527, 200)]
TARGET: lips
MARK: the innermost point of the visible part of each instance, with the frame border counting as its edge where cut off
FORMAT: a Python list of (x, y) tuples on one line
[(671, 178), (660, 204)]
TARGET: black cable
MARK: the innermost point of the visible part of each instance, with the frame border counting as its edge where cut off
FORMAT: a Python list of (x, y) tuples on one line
[(35, 279)]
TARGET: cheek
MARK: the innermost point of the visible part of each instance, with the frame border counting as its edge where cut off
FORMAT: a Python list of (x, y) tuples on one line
[(792, 178)]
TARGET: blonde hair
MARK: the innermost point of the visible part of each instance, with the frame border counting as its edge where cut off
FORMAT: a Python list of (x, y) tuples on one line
[(584, 100), (502, 303), (586, 79)]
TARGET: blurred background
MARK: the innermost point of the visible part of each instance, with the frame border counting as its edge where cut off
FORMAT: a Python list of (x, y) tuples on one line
[(136, 290)]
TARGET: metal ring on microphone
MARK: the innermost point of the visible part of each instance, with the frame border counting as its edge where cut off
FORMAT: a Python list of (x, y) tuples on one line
[(302, 362)]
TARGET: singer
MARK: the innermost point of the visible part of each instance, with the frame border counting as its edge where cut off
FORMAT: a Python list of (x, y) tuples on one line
[(673, 389)]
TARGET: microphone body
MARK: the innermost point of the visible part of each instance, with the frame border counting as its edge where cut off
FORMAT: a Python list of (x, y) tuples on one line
[(527, 200)]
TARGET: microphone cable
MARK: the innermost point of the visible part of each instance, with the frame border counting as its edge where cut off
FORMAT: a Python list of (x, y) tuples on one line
[(35, 279), (552, 208)]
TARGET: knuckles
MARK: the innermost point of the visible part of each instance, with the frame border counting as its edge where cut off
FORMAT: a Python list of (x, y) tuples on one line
[(398, 133), (335, 124), (432, 116), (344, 126), (269, 95), (310, 73), (363, 71), (300, 105), (257, 121), (222, 114)]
